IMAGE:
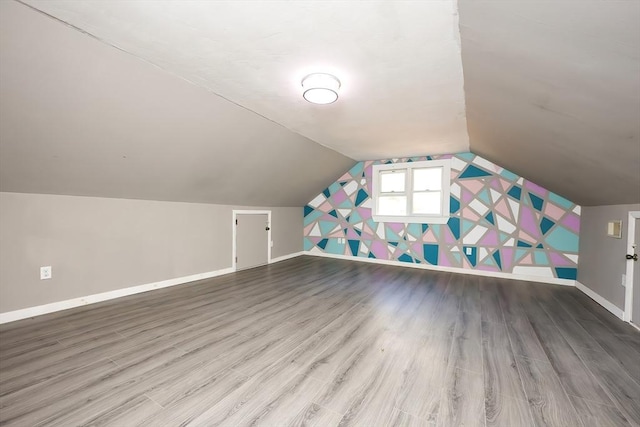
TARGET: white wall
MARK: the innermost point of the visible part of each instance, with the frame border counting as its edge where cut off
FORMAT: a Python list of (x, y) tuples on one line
[(97, 245), (602, 258)]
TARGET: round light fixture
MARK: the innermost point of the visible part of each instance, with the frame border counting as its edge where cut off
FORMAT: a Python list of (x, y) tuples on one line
[(320, 88)]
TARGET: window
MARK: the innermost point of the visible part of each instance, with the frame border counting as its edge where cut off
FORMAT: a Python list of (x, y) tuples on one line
[(412, 192)]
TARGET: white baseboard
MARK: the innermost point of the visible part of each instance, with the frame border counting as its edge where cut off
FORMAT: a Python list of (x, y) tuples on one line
[(552, 280), (11, 316), (25, 313), (601, 300), (285, 257)]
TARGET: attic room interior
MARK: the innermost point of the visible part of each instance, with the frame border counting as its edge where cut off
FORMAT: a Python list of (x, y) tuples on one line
[(273, 213)]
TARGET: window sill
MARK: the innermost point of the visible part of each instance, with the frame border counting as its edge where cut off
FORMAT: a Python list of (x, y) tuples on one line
[(412, 219)]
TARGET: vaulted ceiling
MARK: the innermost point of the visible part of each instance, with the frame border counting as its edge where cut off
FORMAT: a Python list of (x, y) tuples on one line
[(201, 101), (553, 93)]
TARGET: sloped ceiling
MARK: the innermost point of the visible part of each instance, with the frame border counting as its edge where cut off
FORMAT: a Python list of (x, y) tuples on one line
[(553, 93), (154, 93), (79, 117), (399, 62)]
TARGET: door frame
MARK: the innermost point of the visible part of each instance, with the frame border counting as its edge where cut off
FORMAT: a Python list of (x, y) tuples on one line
[(628, 295), (234, 247)]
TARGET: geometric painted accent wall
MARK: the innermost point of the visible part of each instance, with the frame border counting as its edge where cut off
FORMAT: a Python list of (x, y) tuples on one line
[(499, 222)]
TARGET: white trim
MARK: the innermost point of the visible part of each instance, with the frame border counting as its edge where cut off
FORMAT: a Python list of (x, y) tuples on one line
[(237, 212), (24, 313), (528, 278), (628, 294), (412, 219), (601, 300), (634, 325), (285, 257), (445, 191)]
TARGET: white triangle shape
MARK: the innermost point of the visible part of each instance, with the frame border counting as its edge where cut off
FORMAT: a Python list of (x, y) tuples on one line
[(572, 257), (515, 208), (315, 231), (495, 196)]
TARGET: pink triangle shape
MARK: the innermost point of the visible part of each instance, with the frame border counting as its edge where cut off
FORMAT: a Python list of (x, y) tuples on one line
[(472, 185), (526, 260), (429, 237), (503, 209)]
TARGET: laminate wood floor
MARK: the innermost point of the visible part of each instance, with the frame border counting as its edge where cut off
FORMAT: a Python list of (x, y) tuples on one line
[(313, 341)]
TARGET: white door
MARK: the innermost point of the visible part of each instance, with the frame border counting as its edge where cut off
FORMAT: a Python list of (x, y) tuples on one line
[(252, 240), (635, 311)]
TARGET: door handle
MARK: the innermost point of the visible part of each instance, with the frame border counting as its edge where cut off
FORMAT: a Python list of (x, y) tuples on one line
[(267, 228), (633, 257)]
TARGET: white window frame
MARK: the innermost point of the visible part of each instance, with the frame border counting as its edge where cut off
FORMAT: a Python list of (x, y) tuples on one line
[(441, 218)]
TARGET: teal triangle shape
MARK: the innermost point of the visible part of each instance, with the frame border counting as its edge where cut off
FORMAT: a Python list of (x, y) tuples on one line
[(536, 201), (454, 226), (348, 204), (466, 156), (489, 261), (472, 171), (391, 235), (489, 218), (371, 223), (467, 225), (414, 230), (334, 187), (312, 217), (546, 224), (361, 197), (326, 227), (355, 217), (496, 257), (521, 253), (356, 169), (540, 258), (484, 196)]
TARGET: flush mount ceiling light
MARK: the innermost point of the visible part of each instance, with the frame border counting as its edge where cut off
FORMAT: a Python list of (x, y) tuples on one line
[(320, 88)]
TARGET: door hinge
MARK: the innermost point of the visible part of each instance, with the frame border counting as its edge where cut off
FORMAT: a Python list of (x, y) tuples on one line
[(236, 222), (236, 260)]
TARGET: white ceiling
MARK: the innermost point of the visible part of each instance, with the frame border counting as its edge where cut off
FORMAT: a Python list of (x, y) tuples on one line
[(552, 92), (399, 63), (79, 117)]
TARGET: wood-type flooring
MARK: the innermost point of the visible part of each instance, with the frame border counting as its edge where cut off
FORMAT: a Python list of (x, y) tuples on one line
[(314, 341)]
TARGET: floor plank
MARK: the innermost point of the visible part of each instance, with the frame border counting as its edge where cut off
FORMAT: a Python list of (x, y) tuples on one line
[(622, 390), (462, 399), (550, 405), (596, 414), (312, 341)]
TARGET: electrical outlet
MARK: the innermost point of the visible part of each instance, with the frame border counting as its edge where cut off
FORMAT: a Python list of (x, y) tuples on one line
[(624, 280), (45, 272)]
